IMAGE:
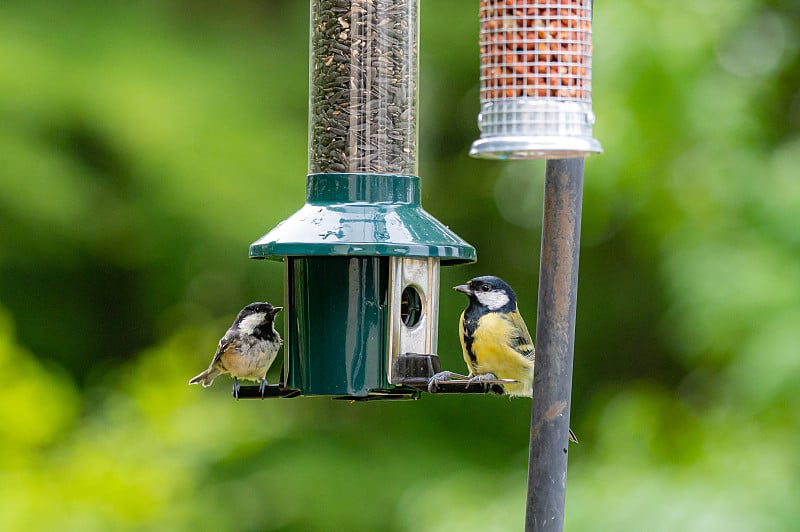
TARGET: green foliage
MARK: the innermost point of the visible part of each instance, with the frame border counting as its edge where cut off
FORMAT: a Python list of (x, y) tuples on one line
[(144, 145)]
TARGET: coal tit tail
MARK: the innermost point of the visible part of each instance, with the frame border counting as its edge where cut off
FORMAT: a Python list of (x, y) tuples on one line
[(206, 378)]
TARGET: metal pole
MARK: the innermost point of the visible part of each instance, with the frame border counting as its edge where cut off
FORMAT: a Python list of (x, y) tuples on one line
[(555, 340)]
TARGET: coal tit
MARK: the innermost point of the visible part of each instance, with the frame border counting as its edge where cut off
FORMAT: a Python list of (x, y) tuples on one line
[(248, 348)]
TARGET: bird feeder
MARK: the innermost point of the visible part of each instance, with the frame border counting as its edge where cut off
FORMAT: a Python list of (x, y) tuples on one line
[(361, 256), (536, 80)]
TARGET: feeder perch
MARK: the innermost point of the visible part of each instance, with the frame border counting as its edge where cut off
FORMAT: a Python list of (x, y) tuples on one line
[(536, 80)]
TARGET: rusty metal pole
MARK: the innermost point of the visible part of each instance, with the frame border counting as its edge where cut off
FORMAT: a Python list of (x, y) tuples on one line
[(555, 340)]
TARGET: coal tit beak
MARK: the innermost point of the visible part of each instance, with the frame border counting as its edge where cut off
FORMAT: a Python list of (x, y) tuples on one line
[(464, 289), (275, 310)]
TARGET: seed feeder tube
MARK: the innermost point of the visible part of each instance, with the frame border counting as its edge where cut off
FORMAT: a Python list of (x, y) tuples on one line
[(363, 86), (536, 80), (361, 257)]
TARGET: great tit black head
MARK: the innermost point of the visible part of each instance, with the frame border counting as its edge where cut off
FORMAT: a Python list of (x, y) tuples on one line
[(489, 292)]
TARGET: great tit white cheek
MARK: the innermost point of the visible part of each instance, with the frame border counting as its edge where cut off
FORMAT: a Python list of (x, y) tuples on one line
[(493, 300)]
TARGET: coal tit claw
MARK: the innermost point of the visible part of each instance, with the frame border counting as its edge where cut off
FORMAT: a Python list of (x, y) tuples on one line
[(262, 388), (236, 388)]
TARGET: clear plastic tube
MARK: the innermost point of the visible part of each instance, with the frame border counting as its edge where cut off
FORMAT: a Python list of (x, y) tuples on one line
[(363, 86)]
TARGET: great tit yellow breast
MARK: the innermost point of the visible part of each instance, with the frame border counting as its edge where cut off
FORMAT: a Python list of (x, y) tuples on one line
[(495, 343)]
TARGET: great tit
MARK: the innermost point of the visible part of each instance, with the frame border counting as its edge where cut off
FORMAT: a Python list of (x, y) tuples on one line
[(248, 348), (495, 341)]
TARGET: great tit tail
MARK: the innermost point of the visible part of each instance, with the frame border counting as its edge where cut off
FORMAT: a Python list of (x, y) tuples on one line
[(572, 437)]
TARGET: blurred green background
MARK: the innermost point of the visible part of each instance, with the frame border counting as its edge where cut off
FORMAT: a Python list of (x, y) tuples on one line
[(144, 145)]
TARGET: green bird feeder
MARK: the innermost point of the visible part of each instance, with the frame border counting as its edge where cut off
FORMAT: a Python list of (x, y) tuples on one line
[(362, 256)]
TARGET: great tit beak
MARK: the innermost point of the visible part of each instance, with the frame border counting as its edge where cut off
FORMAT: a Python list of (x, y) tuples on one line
[(464, 289), (275, 310)]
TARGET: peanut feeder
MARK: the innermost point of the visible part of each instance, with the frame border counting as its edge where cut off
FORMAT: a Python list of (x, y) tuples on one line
[(536, 80)]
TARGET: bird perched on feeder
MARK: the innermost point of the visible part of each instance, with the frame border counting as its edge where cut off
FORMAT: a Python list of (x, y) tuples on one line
[(495, 341), (248, 348)]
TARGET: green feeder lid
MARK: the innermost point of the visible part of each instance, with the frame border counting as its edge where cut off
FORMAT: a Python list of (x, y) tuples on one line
[(363, 215)]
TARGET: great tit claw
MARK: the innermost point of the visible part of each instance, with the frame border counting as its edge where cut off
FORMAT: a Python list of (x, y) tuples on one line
[(482, 377), (433, 382)]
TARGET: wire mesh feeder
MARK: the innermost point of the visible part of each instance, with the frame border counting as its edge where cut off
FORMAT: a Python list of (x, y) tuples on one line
[(536, 80)]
